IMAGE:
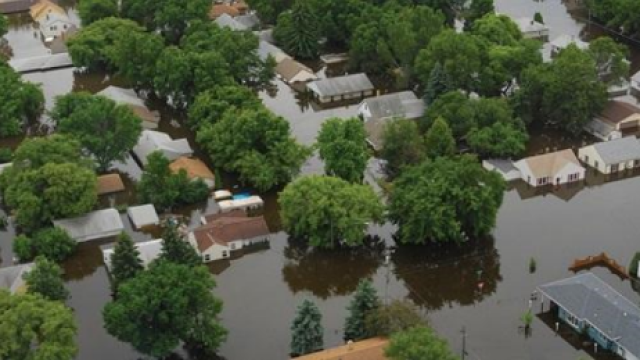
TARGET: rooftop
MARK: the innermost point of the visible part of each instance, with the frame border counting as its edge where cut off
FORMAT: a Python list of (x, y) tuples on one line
[(94, 225), (225, 229), (528, 25), (195, 168), (11, 277), (563, 41), (403, 104), (548, 165), (149, 251), (336, 86), (616, 111), (228, 21), (619, 150), (289, 68), (110, 183), (369, 349), (143, 215)]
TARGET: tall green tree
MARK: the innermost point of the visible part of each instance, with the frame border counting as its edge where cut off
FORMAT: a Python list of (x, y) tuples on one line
[(91, 11), (438, 84), (439, 140), (135, 55), (477, 9), (20, 101), (328, 211), (402, 145), (176, 249), (165, 305), (343, 148), (307, 332), (36, 152), (125, 261), (105, 129), (257, 145), (53, 243), (418, 343), (45, 279), (4, 25), (210, 105), (501, 140), (364, 302), (297, 31), (446, 199), (36, 328)]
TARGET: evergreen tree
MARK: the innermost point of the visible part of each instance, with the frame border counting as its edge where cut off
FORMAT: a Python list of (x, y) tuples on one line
[(306, 331), (297, 31), (439, 83), (125, 261), (363, 303), (176, 249), (46, 279), (439, 139)]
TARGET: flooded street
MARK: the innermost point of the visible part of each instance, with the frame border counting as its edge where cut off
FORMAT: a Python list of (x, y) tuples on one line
[(483, 286)]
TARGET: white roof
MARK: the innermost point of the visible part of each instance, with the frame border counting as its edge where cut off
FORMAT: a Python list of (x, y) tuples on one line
[(226, 20), (636, 77), (11, 277), (151, 141), (38, 63), (563, 41), (149, 251), (528, 25), (403, 104), (143, 215), (265, 49), (222, 194), (250, 202), (54, 17), (342, 85), (94, 225), (122, 96)]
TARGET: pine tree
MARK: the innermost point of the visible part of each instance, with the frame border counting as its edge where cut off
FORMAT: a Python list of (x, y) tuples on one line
[(176, 249), (439, 140), (125, 261), (46, 279), (363, 303), (306, 330), (439, 83), (297, 31)]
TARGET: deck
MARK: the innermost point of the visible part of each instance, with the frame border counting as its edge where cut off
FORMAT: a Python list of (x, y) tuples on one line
[(600, 260)]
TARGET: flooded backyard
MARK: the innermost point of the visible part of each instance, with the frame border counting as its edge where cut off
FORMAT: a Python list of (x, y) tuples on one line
[(483, 286)]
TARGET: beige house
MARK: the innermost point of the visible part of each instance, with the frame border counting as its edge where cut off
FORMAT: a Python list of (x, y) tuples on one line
[(195, 169), (291, 71), (612, 156), (41, 9), (551, 169)]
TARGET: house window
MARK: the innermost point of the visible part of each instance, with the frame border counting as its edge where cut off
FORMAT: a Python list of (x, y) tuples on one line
[(543, 181), (233, 246), (225, 253), (595, 164), (586, 159), (574, 177), (207, 257), (614, 167)]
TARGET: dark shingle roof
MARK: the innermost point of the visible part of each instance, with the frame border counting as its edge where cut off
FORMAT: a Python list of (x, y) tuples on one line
[(619, 150)]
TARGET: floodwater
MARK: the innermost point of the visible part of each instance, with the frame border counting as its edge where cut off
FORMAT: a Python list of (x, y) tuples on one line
[(483, 286)]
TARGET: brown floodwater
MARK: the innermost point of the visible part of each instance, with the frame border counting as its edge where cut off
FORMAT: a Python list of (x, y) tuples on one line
[(483, 286)]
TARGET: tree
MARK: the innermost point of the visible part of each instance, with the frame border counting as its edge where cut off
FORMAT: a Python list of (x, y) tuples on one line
[(418, 343), (456, 109), (439, 140), (610, 59), (19, 101), (497, 29), (270, 9), (210, 105), (36, 152), (165, 189), (328, 211), (623, 15), (45, 279), (343, 148), (125, 261), (500, 140), (52, 243), (91, 11), (297, 31), (105, 129), (402, 145), (135, 57), (4, 25), (257, 145), (446, 199), (165, 305), (537, 17), (397, 316), (363, 303), (306, 330), (476, 10), (176, 249), (35, 328), (438, 84)]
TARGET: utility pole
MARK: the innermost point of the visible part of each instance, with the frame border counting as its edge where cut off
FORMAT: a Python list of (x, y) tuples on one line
[(464, 342)]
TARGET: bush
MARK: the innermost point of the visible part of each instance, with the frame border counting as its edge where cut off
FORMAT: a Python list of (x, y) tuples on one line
[(23, 248), (53, 243), (633, 267), (5, 155)]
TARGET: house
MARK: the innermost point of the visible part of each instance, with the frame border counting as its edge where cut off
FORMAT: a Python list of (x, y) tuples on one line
[(249, 21), (59, 44), (94, 225), (223, 233), (149, 251), (195, 169), (620, 116), (42, 8), (54, 25), (612, 156), (109, 184), (228, 21), (602, 130), (291, 71), (232, 8), (563, 41), (11, 277), (151, 141), (248, 202), (532, 29), (593, 308), (15, 6), (265, 49), (369, 349), (143, 215), (555, 168), (341, 88), (505, 168), (150, 119)]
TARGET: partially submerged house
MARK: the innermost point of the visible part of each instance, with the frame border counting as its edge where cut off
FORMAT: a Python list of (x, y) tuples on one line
[(94, 225), (505, 168), (266, 49), (42, 8), (54, 25), (563, 41), (593, 308), (532, 29), (616, 118), (151, 141), (346, 87), (109, 184), (376, 112), (369, 349), (11, 277), (195, 169), (150, 119), (143, 215), (223, 233), (149, 251), (554, 168), (292, 72), (612, 156)]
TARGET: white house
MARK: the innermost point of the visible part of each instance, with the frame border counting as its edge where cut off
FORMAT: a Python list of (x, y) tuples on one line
[(94, 225), (149, 251), (346, 87), (151, 141), (612, 156), (11, 277), (532, 29), (54, 25), (555, 168), (251, 202), (223, 233), (128, 97)]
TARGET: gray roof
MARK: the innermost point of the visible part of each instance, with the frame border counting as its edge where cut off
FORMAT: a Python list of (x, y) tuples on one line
[(348, 84), (122, 95), (40, 63), (265, 49), (397, 105), (11, 277), (504, 167), (599, 128), (248, 20), (619, 150), (151, 141), (94, 225), (12, 6), (226, 20), (528, 25), (149, 251), (563, 41), (589, 298), (143, 215)]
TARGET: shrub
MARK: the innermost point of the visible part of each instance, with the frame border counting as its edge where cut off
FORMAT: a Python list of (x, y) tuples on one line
[(5, 155), (633, 267), (23, 248)]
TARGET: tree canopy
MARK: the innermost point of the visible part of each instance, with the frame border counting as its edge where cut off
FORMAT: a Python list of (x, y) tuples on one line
[(20, 101), (45, 279), (125, 261), (4, 25), (328, 211), (343, 148), (418, 343), (297, 31), (307, 332), (53, 243), (388, 319), (364, 302), (36, 152), (402, 145), (610, 59), (210, 105), (176, 249), (91, 11), (439, 140), (623, 15)]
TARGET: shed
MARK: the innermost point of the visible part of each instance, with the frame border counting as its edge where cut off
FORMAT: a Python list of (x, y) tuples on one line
[(11, 277), (94, 225), (143, 215), (151, 141), (250, 202), (110, 183), (293, 72), (129, 97), (149, 251), (341, 88), (506, 168), (195, 169), (612, 156)]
